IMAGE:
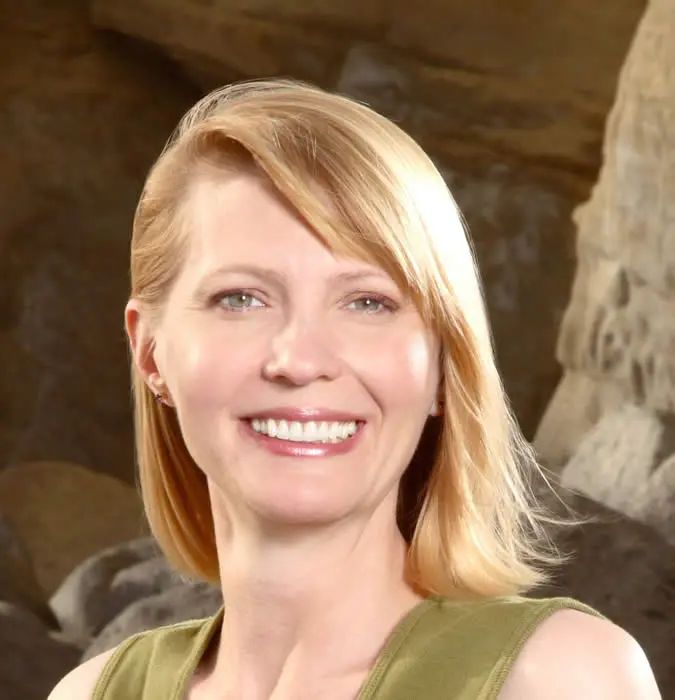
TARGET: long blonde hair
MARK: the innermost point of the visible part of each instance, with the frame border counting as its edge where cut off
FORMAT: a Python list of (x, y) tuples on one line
[(465, 506)]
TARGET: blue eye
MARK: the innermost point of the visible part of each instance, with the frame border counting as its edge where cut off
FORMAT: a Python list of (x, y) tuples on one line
[(371, 304), (239, 300)]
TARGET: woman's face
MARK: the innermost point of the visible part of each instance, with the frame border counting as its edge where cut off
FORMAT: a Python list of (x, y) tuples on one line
[(301, 380)]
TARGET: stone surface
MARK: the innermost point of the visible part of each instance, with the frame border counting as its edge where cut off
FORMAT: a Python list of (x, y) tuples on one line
[(621, 329), (97, 590), (655, 499), (620, 463), (18, 582), (32, 659), (577, 405), (217, 45), (578, 46), (65, 513), (460, 113), (352, 16), (619, 325), (83, 115), (189, 601)]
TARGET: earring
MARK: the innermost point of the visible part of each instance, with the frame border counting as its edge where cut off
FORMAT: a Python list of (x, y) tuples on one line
[(159, 398)]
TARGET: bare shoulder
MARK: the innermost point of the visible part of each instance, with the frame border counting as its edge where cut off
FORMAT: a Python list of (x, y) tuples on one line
[(79, 684), (574, 655)]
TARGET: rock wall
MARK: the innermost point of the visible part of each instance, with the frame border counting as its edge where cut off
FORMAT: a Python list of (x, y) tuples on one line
[(82, 116), (618, 333)]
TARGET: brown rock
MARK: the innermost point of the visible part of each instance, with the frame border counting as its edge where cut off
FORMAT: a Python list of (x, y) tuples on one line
[(18, 583), (65, 513), (214, 43), (351, 15), (461, 113), (625, 570), (579, 47), (32, 659), (83, 116), (655, 499)]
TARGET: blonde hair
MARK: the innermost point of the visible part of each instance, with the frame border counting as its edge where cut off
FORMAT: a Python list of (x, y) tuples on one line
[(465, 505)]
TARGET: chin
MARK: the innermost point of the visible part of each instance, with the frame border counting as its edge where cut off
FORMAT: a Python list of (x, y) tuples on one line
[(306, 510)]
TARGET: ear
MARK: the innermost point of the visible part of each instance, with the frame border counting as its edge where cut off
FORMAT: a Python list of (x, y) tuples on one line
[(142, 344)]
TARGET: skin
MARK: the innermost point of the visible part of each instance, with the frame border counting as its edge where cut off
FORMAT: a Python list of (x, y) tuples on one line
[(309, 548)]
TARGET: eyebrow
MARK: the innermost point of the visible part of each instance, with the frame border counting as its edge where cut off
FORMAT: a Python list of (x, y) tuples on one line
[(278, 278)]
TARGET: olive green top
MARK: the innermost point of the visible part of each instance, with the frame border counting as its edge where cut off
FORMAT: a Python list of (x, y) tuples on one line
[(441, 650)]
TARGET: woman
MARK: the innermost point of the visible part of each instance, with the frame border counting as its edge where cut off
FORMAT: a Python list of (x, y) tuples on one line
[(322, 430)]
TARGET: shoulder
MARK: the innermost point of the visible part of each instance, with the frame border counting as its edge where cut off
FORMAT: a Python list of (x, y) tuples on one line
[(572, 655), (79, 684)]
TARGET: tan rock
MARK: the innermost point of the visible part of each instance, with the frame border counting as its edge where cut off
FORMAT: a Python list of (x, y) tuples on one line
[(578, 403), (632, 212), (620, 322), (349, 15), (579, 47), (621, 329), (214, 43), (518, 211), (65, 513), (620, 463)]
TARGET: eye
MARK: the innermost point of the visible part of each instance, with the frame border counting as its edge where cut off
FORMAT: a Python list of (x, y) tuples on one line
[(238, 300), (372, 304)]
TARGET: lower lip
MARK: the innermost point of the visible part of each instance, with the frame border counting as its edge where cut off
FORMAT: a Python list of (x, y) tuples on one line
[(289, 448)]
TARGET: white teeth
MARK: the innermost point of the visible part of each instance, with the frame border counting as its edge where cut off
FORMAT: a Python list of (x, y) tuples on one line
[(297, 431)]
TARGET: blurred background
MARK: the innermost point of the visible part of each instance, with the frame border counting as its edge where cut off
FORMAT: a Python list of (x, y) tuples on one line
[(553, 125)]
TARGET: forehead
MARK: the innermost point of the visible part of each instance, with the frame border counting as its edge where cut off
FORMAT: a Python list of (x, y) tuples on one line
[(242, 219)]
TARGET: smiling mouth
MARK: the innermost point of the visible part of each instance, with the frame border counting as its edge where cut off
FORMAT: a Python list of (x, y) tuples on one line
[(312, 432)]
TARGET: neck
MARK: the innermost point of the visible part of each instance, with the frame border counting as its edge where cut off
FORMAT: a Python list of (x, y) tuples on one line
[(309, 608)]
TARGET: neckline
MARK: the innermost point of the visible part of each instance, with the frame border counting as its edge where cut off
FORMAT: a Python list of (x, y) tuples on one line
[(373, 680)]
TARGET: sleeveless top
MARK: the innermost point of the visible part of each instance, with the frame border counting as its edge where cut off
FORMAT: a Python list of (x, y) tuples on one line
[(441, 650)]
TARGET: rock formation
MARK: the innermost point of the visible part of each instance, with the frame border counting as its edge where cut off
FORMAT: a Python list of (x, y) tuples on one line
[(618, 333)]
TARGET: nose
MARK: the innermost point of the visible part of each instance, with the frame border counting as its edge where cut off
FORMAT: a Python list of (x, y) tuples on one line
[(301, 353)]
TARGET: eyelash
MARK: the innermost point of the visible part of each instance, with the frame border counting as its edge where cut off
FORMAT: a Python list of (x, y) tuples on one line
[(387, 305)]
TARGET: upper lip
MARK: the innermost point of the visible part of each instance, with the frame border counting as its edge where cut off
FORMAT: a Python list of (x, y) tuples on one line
[(305, 413)]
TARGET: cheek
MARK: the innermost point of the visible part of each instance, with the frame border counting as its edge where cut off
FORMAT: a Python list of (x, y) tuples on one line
[(204, 367), (404, 372)]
